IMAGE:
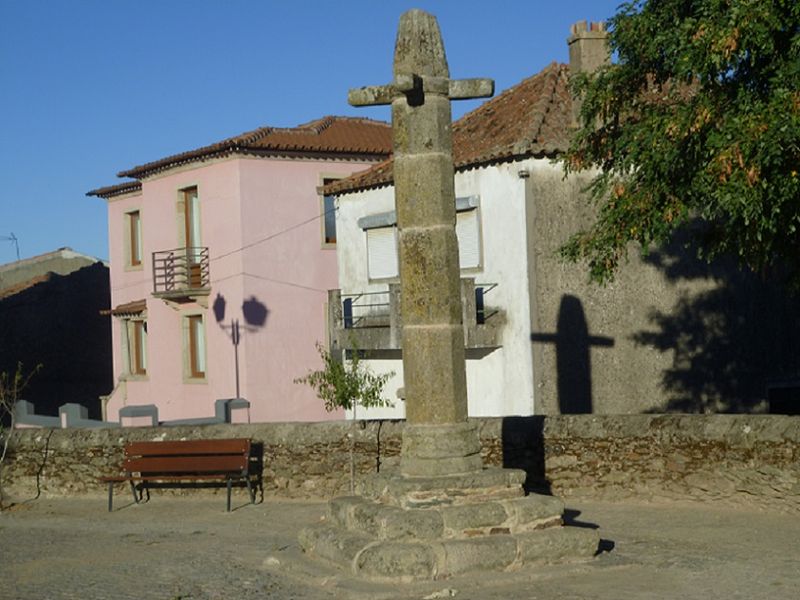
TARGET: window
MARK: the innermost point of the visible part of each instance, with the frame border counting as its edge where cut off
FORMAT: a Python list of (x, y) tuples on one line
[(381, 230), (382, 252), (469, 245), (136, 340), (189, 209), (134, 238), (329, 216), (196, 347)]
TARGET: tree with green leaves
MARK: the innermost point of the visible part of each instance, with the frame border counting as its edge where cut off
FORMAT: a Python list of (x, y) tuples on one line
[(347, 384), (696, 125)]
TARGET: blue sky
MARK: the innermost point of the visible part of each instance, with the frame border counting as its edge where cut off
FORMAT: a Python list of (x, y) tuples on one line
[(91, 87)]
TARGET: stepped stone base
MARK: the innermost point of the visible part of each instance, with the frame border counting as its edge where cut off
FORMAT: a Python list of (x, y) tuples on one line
[(405, 529), (425, 492)]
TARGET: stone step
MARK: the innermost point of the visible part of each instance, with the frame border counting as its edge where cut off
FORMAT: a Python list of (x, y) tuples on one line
[(488, 484), (399, 561), (333, 544), (386, 522)]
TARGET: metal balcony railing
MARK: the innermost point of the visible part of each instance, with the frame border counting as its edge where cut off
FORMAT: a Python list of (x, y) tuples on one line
[(181, 270), (373, 309), (373, 320), (368, 309), (482, 314)]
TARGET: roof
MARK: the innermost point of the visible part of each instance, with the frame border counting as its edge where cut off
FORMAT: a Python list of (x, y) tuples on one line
[(24, 285), (338, 136), (64, 253), (18, 276), (116, 190), (62, 262), (530, 119), (135, 307)]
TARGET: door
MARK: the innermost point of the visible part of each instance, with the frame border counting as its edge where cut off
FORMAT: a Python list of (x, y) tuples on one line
[(191, 223)]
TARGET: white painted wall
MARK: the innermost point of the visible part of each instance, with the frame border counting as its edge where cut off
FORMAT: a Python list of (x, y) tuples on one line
[(500, 383)]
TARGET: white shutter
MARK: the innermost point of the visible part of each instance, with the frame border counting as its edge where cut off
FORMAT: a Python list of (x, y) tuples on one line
[(382, 252), (469, 244)]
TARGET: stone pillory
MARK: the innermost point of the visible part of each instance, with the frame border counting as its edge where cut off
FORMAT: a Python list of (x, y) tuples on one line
[(444, 513), (432, 335)]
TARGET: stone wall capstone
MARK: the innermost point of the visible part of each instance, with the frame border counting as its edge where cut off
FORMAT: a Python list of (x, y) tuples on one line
[(749, 460)]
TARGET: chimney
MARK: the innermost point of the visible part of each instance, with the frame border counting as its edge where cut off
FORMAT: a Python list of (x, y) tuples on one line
[(588, 50)]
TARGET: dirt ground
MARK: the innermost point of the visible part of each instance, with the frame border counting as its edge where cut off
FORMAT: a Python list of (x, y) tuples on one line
[(189, 547)]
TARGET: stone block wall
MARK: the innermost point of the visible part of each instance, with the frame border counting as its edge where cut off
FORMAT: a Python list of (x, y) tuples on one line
[(748, 460), (735, 459)]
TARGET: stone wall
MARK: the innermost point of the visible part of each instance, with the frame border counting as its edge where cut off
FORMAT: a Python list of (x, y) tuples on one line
[(749, 460), (671, 333)]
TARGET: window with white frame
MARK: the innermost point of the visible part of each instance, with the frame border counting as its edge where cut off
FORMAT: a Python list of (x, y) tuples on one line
[(382, 252), (381, 232), (469, 241)]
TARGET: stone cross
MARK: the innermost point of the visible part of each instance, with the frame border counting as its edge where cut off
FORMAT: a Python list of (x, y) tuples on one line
[(438, 440)]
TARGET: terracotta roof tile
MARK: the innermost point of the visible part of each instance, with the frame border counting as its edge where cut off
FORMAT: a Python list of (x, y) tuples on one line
[(328, 135), (116, 190), (530, 119)]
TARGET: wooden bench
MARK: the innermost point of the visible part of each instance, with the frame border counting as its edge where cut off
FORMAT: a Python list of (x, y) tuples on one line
[(149, 463)]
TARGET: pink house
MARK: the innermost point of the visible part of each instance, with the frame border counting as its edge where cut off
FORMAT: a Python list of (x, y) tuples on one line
[(221, 259)]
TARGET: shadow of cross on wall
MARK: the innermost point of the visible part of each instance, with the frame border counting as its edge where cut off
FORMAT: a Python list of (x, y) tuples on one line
[(573, 361)]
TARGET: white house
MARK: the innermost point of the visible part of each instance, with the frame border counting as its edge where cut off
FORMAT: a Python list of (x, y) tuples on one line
[(498, 148)]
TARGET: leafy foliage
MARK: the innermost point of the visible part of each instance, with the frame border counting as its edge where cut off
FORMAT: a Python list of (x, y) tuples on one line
[(346, 384), (698, 120)]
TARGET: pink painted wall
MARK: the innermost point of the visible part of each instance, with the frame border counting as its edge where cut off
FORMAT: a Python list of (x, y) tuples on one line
[(272, 207), (220, 220), (125, 285), (290, 273)]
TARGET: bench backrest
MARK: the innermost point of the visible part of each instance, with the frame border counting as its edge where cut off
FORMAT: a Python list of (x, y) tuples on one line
[(188, 457)]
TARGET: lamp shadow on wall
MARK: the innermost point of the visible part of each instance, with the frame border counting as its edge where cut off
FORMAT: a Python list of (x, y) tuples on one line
[(255, 314), (573, 356), (254, 311), (730, 339)]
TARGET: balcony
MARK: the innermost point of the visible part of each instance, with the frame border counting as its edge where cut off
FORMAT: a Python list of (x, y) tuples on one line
[(372, 320), (181, 275)]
